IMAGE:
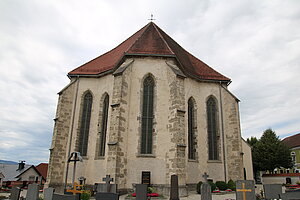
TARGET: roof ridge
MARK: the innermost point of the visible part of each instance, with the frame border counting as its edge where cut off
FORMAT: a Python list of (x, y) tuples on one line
[(155, 26), (147, 25)]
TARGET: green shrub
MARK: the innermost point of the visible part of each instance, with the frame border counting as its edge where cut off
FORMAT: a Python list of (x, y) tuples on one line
[(199, 187), (150, 190), (222, 185), (231, 185), (85, 195), (212, 185)]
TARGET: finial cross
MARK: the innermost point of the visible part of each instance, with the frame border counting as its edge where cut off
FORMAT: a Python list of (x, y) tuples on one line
[(151, 19)]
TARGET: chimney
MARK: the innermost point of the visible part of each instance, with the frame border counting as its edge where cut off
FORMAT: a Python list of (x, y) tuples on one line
[(21, 165)]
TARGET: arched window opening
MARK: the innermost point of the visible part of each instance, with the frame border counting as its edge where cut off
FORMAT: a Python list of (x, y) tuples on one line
[(191, 130), (85, 123), (147, 116), (104, 125), (211, 107)]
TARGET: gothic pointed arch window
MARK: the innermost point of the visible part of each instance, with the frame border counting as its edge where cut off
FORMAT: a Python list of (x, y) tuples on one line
[(85, 123), (147, 116), (212, 125), (191, 129), (103, 131)]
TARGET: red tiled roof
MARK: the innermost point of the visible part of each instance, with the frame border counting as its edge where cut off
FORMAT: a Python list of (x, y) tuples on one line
[(150, 41), (292, 141), (278, 175), (42, 168)]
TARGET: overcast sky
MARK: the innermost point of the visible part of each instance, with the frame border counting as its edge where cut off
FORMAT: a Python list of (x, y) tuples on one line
[(254, 42)]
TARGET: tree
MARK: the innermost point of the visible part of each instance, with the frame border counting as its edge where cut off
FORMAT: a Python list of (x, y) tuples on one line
[(269, 152)]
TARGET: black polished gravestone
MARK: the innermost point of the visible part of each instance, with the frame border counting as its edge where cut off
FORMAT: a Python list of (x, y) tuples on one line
[(146, 178), (273, 191), (15, 193), (141, 191), (107, 196), (174, 193), (245, 190)]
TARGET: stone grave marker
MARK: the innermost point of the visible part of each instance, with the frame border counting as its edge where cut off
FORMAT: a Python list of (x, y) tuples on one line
[(48, 193), (32, 192), (141, 191), (15, 193), (205, 189), (273, 191), (291, 195), (174, 193), (245, 190), (107, 196), (102, 187), (107, 180), (65, 197)]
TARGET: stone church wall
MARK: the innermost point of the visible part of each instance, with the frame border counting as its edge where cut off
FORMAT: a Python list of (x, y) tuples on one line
[(122, 159)]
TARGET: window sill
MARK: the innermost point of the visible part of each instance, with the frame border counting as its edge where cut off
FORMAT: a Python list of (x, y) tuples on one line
[(192, 160), (146, 156), (99, 158), (214, 161)]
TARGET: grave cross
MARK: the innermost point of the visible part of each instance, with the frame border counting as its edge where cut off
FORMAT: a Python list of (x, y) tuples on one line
[(244, 190), (107, 180), (205, 176)]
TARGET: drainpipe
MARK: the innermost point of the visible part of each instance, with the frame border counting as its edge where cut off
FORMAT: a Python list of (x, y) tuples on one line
[(71, 131), (223, 136)]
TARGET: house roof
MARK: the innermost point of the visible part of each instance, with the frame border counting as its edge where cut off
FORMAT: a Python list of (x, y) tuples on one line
[(10, 171), (42, 168), (292, 141), (149, 41)]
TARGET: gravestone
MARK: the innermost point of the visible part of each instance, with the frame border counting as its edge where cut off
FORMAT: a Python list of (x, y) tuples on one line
[(174, 194), (107, 180), (245, 190), (15, 193), (141, 191), (48, 193), (102, 187), (65, 197), (273, 191), (146, 178), (32, 192), (205, 189), (291, 195), (106, 196)]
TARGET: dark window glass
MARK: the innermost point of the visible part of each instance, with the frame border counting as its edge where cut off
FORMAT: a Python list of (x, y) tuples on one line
[(85, 123), (104, 126), (212, 129), (147, 116), (191, 129)]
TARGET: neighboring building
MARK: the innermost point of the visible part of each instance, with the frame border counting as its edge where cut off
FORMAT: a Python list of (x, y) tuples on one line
[(293, 142), (21, 174), (34, 174), (1, 179), (146, 110)]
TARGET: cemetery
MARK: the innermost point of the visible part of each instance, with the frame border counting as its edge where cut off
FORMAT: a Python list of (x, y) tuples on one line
[(206, 190)]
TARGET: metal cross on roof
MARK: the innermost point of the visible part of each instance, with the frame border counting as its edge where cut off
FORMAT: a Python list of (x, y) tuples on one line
[(151, 19)]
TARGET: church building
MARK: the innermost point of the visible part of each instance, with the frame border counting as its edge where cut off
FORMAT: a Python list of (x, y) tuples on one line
[(144, 111)]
